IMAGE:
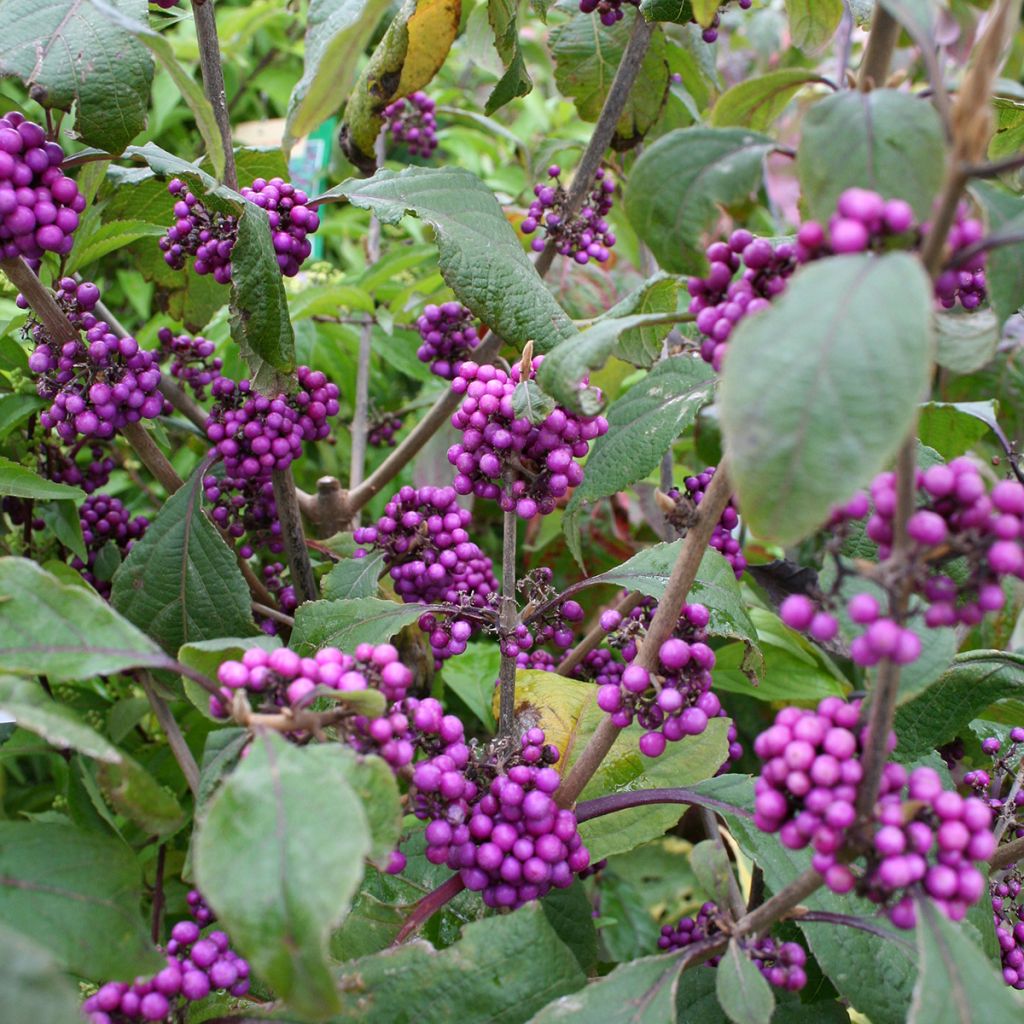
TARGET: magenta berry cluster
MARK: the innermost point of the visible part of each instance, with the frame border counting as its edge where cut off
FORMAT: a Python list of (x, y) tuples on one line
[(192, 360), (996, 784), (382, 432), (39, 205), (63, 468), (104, 521), (410, 120), (412, 725), (1008, 917), (165, 5), (281, 678), (722, 538), (208, 236), (431, 560), (721, 299), (245, 508), (256, 434), (97, 383), (609, 11), (291, 220), (782, 964), (584, 235), (513, 843), (284, 594), (195, 967), (449, 337), (924, 839), (541, 458)]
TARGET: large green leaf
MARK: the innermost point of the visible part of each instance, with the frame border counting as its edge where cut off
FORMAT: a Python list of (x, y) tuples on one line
[(68, 54), (1009, 133), (819, 391), (481, 258), (26, 702), (133, 792), (741, 988), (757, 102), (181, 582), (337, 32), (672, 196), (643, 423), (279, 855), (967, 341), (108, 238), (516, 82), (64, 631), (957, 983), (951, 428), (813, 22), (18, 482), (884, 140), (347, 623), (587, 54), (78, 894), (938, 713), (354, 577), (1004, 271), (33, 983), (471, 677), (640, 992)]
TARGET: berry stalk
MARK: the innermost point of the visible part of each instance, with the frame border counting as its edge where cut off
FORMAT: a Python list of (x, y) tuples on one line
[(506, 626), (213, 82)]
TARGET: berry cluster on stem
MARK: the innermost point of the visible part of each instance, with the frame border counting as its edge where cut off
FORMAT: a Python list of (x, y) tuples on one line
[(584, 235), (105, 521), (410, 121), (449, 337)]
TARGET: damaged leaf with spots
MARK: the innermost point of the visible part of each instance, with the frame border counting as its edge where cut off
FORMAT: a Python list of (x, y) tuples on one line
[(406, 59)]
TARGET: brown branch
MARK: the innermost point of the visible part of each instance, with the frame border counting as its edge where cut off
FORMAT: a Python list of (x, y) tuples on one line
[(595, 635), (151, 457), (175, 739), (507, 623), (213, 82), (664, 622), (1007, 855), (874, 66), (294, 540)]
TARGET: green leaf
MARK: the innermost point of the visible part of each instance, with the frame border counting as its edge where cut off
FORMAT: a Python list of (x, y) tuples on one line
[(516, 82), (34, 984), (966, 341), (677, 185), (884, 140), (67, 54), (1009, 133), (480, 255), (471, 677), (957, 983), (191, 91), (710, 864), (742, 989), (704, 11), (679, 12), (337, 33), (643, 423), (181, 582), (819, 390), (62, 518), (563, 370), (571, 913), (279, 855), (642, 346), (19, 482), (375, 784), (951, 428), (354, 577), (757, 102), (64, 631), (529, 402), (411, 52), (77, 894), (1004, 271), (15, 409), (347, 623), (587, 55), (640, 992), (133, 792), (812, 23), (940, 712), (206, 656), (109, 238), (28, 705), (259, 308)]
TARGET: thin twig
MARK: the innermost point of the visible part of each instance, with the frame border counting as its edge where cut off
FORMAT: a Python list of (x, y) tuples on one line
[(507, 623), (602, 805), (158, 892), (175, 739), (850, 921), (294, 540), (213, 82), (874, 66), (595, 636), (736, 904), (151, 457), (1007, 855), (665, 620), (273, 613), (428, 906)]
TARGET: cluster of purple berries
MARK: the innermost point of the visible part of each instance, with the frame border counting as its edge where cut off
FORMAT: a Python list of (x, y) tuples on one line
[(62, 468), (431, 559), (721, 299), (677, 701), (196, 966), (165, 4), (609, 11), (412, 725), (245, 507), (781, 964), (997, 786), (539, 458), (192, 360), (291, 220), (284, 594), (281, 678), (410, 120), (382, 433), (585, 235), (554, 627), (448, 337), (257, 434), (209, 236), (1008, 917), (924, 838), (722, 538), (508, 839), (39, 206), (104, 521), (98, 383)]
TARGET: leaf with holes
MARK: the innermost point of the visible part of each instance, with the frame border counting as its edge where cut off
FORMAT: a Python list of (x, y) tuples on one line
[(181, 582), (818, 391), (69, 55)]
